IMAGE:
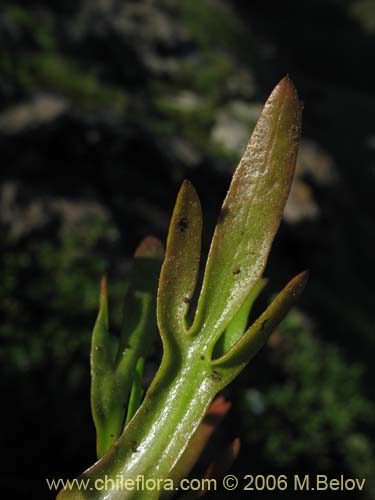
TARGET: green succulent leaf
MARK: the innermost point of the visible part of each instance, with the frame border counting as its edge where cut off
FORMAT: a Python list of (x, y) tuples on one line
[(181, 264), (103, 344), (238, 324), (251, 212), (114, 368), (256, 336), (136, 390)]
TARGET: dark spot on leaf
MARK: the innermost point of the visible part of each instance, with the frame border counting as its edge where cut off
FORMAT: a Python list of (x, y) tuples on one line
[(186, 300), (133, 446), (202, 357), (236, 270), (223, 215), (216, 376), (112, 435), (182, 224)]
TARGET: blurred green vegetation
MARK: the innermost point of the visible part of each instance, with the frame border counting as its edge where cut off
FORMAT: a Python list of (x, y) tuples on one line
[(316, 415), (59, 276), (35, 62), (146, 94)]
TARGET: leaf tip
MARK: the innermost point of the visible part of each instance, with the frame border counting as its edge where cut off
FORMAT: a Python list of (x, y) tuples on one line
[(103, 290), (186, 184), (286, 86), (188, 205), (299, 282), (287, 91), (150, 247), (187, 189), (235, 447)]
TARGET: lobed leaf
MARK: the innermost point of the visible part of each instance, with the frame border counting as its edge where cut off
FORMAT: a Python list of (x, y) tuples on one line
[(114, 360), (188, 379)]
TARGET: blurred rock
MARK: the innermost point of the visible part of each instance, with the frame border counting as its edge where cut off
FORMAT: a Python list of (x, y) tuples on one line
[(23, 212), (41, 110), (19, 213), (364, 12), (301, 204), (182, 151), (315, 165), (186, 101), (149, 27), (234, 124), (151, 23), (242, 85)]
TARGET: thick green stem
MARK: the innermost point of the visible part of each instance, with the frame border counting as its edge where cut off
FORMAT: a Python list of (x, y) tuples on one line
[(159, 432)]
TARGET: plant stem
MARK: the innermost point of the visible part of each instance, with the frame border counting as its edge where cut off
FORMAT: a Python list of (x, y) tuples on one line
[(159, 432)]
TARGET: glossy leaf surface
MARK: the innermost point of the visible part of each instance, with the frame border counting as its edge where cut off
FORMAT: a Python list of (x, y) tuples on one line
[(251, 211), (188, 379), (238, 324), (113, 360), (181, 264), (215, 414), (233, 361)]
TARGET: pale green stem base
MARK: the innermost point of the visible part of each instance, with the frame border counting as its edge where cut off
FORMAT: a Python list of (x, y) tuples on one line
[(159, 432)]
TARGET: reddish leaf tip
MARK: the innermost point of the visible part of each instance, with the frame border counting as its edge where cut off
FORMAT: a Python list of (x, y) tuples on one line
[(301, 279), (219, 407), (286, 85), (150, 247), (235, 447), (296, 286), (287, 90), (103, 288), (187, 187), (186, 183)]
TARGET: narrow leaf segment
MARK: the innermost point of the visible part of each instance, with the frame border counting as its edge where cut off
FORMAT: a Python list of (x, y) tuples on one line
[(116, 363)]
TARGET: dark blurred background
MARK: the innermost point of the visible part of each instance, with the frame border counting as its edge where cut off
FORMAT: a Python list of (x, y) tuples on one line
[(105, 107)]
